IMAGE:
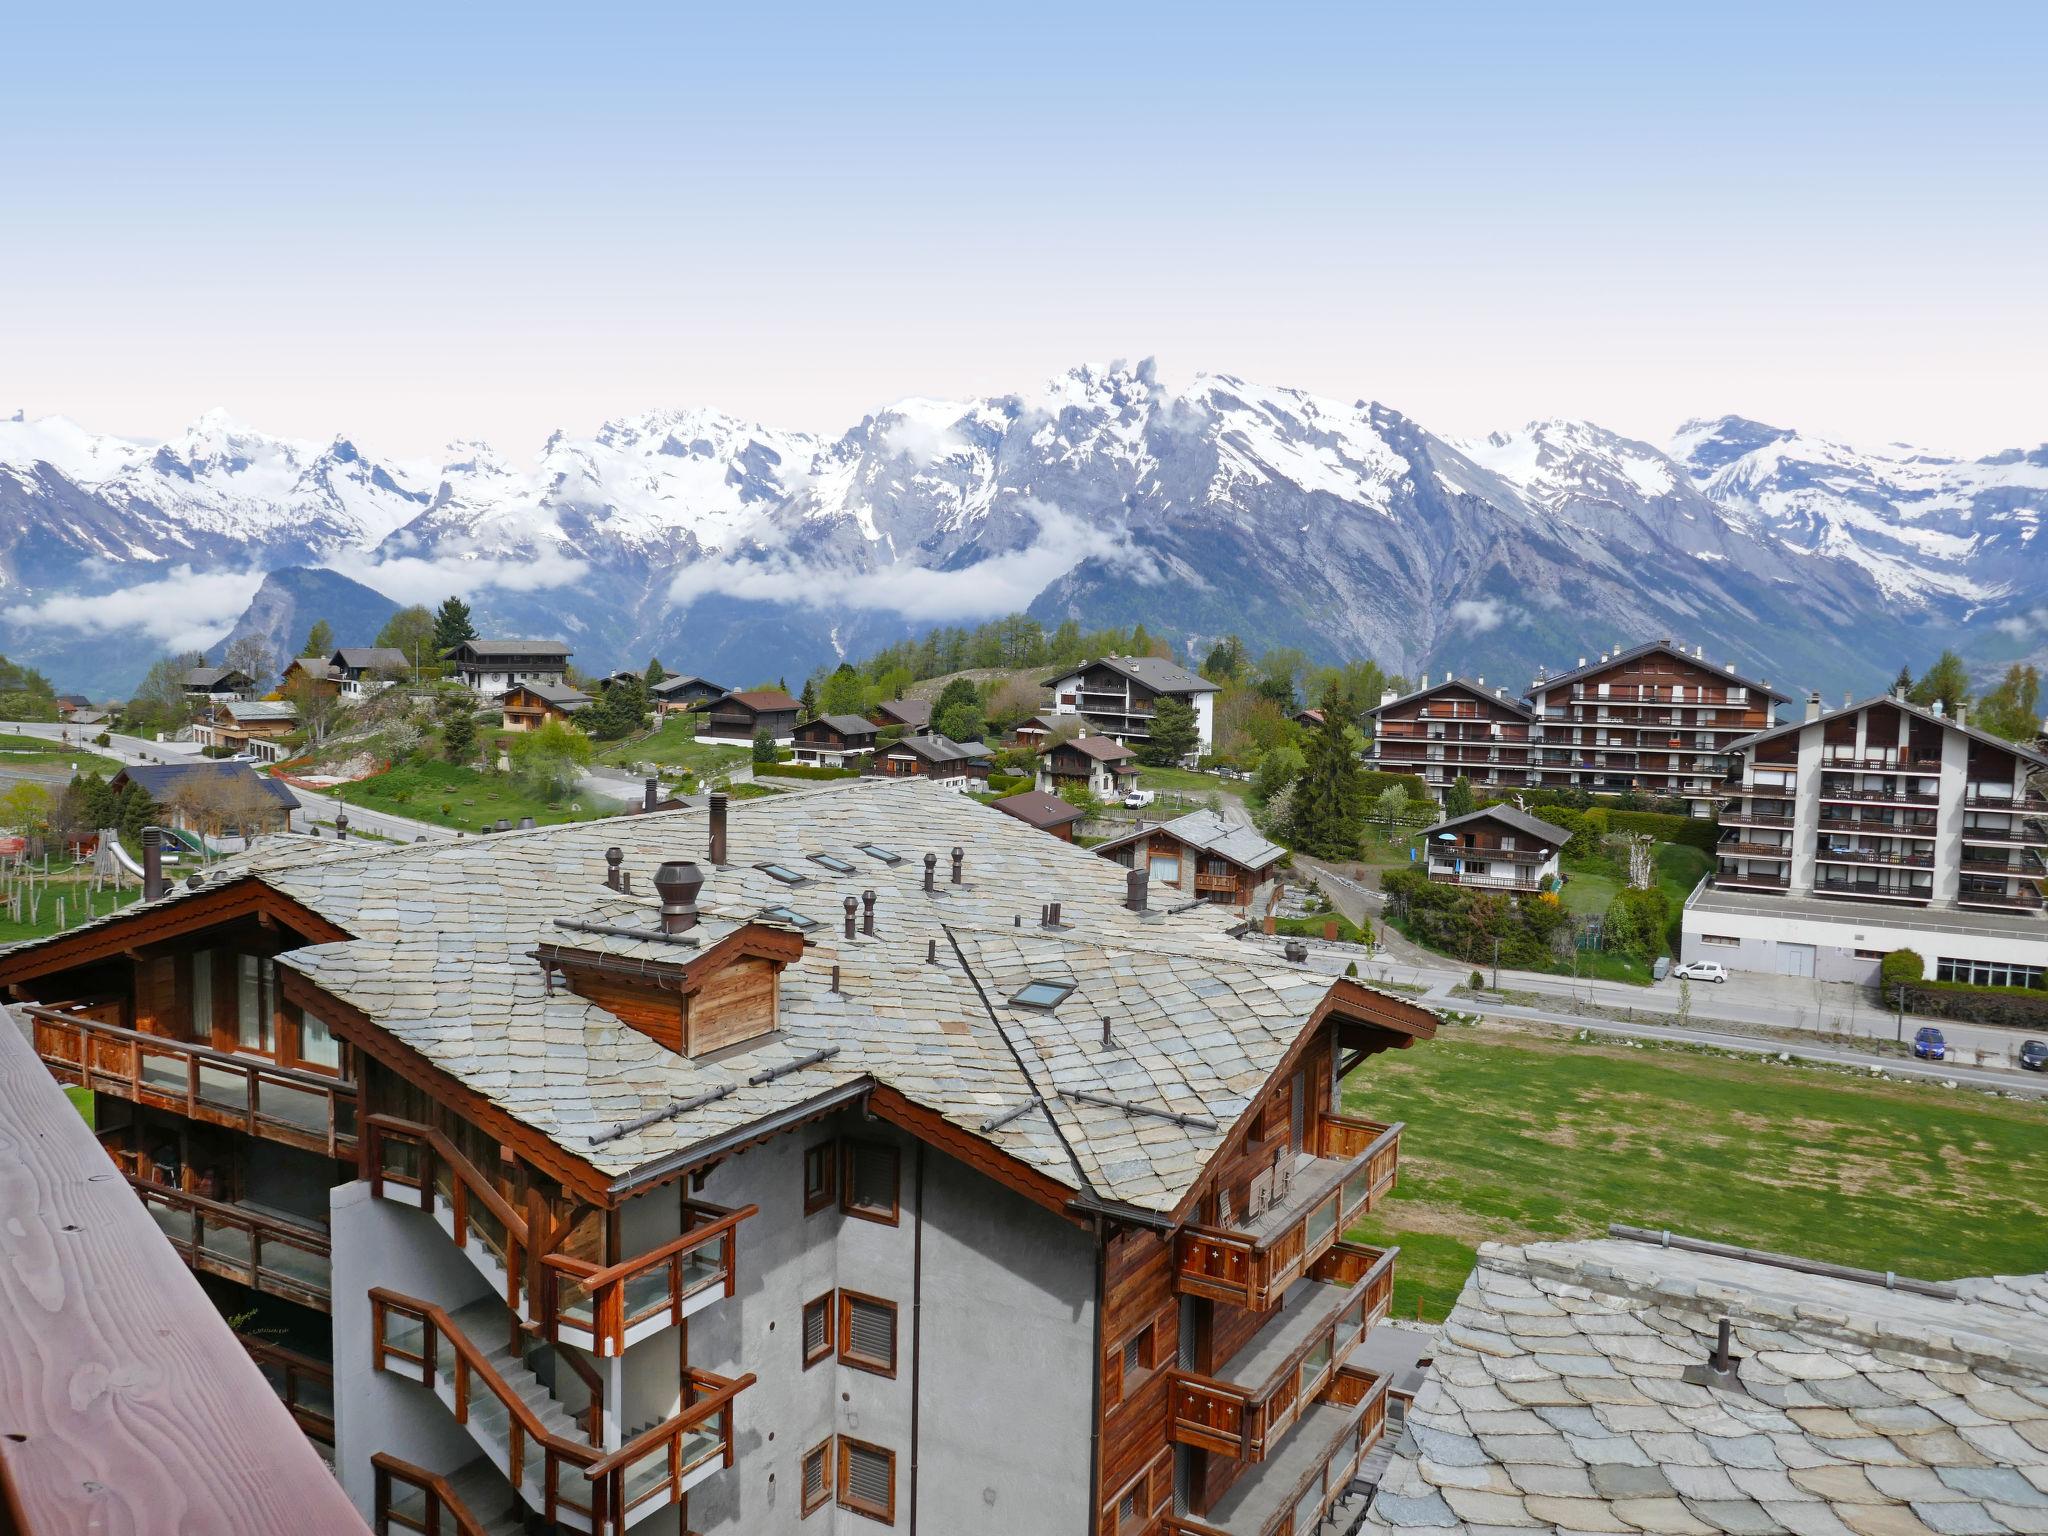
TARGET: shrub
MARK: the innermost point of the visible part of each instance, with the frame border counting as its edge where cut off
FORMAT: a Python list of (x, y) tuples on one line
[(1373, 785), (1900, 968), (1477, 981), (803, 771), (1636, 921)]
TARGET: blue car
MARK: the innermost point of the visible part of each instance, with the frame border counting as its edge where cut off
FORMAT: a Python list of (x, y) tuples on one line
[(1929, 1045)]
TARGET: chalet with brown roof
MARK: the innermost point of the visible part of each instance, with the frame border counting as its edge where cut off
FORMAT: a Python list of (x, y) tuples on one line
[(914, 716), (1048, 813), (681, 693), (488, 667), (956, 764), (314, 672), (835, 741), (1033, 733), (255, 726), (529, 706), (742, 714), (1105, 766), (364, 669)]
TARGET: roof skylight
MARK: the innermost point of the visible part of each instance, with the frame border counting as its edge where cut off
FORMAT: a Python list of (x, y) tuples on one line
[(781, 872), (1042, 995), (791, 916), (836, 865), (875, 852)]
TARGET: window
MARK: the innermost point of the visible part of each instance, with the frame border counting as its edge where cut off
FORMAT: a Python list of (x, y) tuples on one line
[(837, 866), (1042, 995), (252, 1000), (781, 872), (317, 1045), (821, 1176), (1133, 1364), (1870, 954), (817, 1477), (1725, 939), (817, 1329), (867, 1479), (875, 852), (791, 916), (1166, 868), (202, 993), (868, 1183), (1986, 973), (867, 1333)]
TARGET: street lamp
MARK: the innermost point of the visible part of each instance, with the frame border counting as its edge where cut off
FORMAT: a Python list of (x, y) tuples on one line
[(1900, 992)]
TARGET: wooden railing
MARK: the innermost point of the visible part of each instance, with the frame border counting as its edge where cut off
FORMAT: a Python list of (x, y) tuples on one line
[(429, 1505), (581, 1485), (269, 1253), (302, 1109), (405, 1155), (1254, 1272), (1300, 1511), (599, 1306), (305, 1385)]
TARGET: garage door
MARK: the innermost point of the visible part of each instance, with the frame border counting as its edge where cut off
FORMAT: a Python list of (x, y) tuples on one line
[(1795, 959)]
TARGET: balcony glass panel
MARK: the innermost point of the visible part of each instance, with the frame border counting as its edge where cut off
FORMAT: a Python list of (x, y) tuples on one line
[(230, 1244), (1322, 1221), (165, 1074), (222, 1088)]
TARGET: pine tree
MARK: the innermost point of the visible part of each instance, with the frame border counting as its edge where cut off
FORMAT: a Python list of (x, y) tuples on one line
[(655, 673), (807, 701), (1328, 811), (451, 625), (1946, 683), (1175, 734), (458, 734), (1904, 682), (1458, 800), (319, 639)]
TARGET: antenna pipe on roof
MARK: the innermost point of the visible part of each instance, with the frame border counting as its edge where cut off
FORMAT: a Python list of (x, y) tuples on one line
[(867, 912), (931, 864), (959, 858), (851, 905), (718, 827), (613, 858)]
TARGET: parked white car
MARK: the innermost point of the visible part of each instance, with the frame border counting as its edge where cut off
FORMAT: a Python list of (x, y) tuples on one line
[(1138, 799), (1700, 970)]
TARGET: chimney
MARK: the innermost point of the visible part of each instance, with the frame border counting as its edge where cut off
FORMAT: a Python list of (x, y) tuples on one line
[(613, 858), (1962, 712), (867, 912), (503, 824), (1482, 680), (959, 858), (341, 826), (851, 907), (153, 883), (718, 827), (1387, 696), (1056, 914), (931, 866), (677, 883), (653, 793), (1582, 661), (1938, 711), (1813, 706), (526, 823), (1425, 680), (1135, 886)]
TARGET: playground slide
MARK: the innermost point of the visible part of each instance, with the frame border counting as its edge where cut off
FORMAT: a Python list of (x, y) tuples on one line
[(112, 844)]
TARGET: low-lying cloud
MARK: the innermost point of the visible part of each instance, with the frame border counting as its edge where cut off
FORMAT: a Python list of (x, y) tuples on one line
[(181, 610), (408, 579), (1478, 614), (1003, 583)]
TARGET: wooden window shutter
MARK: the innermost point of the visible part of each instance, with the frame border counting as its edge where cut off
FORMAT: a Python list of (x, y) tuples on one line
[(867, 1479), (867, 1332), (817, 1330)]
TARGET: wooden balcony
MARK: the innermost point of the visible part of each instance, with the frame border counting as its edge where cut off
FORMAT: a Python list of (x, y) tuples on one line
[(250, 1094), (1244, 1409), (265, 1250), (1354, 1164), (2024, 898), (1730, 880), (304, 1385), (1731, 847), (1983, 798), (2020, 834), (572, 1484), (1737, 814), (1870, 826), (1308, 1470)]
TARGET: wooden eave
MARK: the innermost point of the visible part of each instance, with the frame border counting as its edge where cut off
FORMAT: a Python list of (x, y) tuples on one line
[(159, 922), (1348, 1003)]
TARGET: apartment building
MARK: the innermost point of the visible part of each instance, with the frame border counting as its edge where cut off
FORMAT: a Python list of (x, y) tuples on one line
[(1118, 696), (1458, 727), (1656, 719), (1878, 826), (853, 1156)]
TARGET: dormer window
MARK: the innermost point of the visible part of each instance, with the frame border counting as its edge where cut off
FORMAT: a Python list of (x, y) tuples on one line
[(836, 865), (1042, 996), (782, 873)]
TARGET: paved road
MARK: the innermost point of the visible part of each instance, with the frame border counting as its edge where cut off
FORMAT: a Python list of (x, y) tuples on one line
[(128, 749), (317, 813)]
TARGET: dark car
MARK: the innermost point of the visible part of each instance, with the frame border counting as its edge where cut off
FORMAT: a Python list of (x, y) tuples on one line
[(2034, 1055), (1929, 1044)]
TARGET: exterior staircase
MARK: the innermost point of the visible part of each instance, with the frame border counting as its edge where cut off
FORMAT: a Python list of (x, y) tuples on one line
[(490, 1421)]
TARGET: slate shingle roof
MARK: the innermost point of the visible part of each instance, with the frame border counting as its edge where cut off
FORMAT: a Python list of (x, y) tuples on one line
[(1557, 1402), (1209, 832), (444, 933)]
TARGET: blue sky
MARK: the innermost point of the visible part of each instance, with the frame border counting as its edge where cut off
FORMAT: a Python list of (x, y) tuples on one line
[(409, 223)]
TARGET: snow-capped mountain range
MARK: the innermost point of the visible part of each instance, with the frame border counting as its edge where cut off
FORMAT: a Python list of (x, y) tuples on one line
[(743, 552)]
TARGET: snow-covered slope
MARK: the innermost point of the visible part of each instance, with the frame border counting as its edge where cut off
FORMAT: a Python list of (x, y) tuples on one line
[(1107, 494)]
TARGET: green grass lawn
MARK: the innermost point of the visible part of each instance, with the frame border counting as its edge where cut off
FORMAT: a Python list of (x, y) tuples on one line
[(81, 1100), (1518, 1136), (674, 745), (34, 752), (74, 893), (450, 796), (1186, 781)]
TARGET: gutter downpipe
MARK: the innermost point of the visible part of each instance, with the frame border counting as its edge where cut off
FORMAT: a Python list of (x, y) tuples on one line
[(1095, 1385)]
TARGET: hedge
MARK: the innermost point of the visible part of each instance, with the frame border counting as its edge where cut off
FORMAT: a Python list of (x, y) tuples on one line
[(2020, 1007), (1009, 783), (803, 771), (1376, 784)]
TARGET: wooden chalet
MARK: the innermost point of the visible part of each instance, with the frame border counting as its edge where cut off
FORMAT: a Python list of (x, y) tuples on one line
[(712, 1226), (217, 684), (912, 716), (835, 741), (529, 706), (1200, 855), (314, 672), (364, 669), (1499, 848), (1103, 765), (1048, 813), (1033, 733), (742, 715), (488, 667), (255, 726), (213, 798), (679, 694), (69, 704), (958, 764)]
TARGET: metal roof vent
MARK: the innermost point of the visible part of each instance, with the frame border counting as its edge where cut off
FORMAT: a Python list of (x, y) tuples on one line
[(677, 883), (1722, 1365)]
